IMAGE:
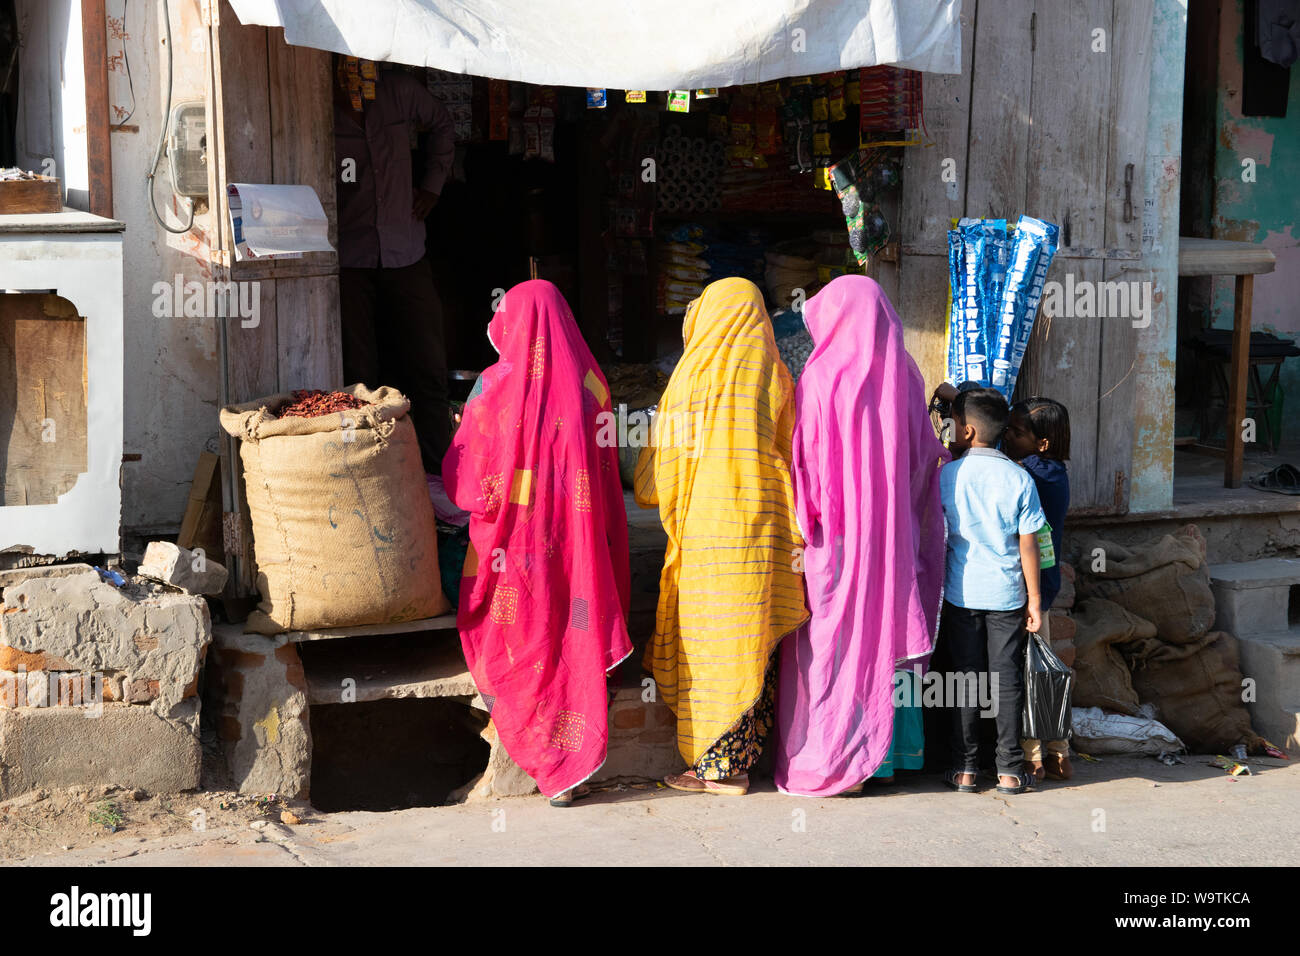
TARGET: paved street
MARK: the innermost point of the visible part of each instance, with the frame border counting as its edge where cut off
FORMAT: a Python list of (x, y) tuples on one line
[(1120, 811)]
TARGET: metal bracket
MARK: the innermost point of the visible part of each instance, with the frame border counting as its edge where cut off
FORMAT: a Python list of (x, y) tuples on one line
[(1128, 193)]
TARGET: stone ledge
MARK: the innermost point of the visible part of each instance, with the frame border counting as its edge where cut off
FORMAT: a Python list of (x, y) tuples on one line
[(1265, 573)]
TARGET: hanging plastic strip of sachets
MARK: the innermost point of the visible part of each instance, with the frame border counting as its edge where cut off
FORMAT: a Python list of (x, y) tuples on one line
[(996, 283)]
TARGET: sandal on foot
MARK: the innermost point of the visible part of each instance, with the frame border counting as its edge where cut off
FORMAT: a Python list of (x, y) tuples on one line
[(566, 798), (1024, 781), (856, 791), (736, 786), (1035, 767), (1057, 766), (952, 779)]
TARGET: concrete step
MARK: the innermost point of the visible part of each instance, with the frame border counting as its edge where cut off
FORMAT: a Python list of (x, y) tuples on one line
[(368, 673), (1272, 660), (1256, 597)]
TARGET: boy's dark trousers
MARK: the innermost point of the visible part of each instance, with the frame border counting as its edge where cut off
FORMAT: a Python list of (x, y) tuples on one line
[(994, 641)]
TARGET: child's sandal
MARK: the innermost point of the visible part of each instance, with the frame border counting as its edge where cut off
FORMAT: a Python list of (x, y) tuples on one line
[(951, 778)]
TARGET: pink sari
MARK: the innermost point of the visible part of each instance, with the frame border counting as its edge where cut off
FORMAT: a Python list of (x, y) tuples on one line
[(866, 479), (544, 600)]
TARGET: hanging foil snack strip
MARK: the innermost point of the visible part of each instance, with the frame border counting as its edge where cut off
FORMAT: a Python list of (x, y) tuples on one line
[(1031, 255)]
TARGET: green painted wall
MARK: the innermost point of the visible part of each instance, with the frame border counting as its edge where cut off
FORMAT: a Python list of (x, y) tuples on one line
[(1266, 211)]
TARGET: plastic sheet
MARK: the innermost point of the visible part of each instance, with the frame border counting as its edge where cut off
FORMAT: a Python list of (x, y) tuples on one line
[(633, 45)]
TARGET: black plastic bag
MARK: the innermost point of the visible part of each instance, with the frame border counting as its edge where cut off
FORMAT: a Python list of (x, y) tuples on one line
[(1047, 692)]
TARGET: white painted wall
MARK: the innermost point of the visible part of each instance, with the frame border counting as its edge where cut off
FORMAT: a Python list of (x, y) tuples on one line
[(170, 375)]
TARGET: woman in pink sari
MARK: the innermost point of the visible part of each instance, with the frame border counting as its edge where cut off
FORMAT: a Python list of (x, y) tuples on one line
[(544, 600), (866, 481)]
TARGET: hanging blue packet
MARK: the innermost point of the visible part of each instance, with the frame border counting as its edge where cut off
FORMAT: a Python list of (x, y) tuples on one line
[(983, 245), (956, 309), (1031, 255)]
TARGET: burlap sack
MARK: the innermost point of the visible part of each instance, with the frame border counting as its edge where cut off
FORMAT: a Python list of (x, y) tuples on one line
[(1065, 599), (1101, 673), (1167, 583), (343, 529), (1196, 690)]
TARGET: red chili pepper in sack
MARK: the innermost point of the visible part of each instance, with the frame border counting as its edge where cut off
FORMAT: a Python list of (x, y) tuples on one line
[(312, 403)]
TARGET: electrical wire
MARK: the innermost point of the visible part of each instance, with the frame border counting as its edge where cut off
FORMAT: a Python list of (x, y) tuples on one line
[(162, 135)]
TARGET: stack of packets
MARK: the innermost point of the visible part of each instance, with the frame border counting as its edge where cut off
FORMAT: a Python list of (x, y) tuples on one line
[(456, 91), (358, 77), (996, 283)]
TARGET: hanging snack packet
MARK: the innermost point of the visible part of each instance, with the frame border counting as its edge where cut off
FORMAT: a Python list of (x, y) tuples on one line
[(835, 97), (634, 96), (975, 234), (844, 177), (1031, 255), (767, 121), (679, 101), (595, 99), (821, 145), (956, 308), (820, 106), (992, 249)]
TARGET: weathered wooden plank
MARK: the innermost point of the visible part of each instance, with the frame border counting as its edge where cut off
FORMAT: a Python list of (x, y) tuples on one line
[(1223, 257), (929, 203), (1117, 398), (1130, 49), (1130, 46), (99, 151), (1063, 362), (243, 108), (307, 329), (923, 294), (302, 135), (1069, 132), (43, 439), (1001, 78)]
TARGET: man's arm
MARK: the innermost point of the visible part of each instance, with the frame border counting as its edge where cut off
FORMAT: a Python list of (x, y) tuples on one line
[(427, 113)]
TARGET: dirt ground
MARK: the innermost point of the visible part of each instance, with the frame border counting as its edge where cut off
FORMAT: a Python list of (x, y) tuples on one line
[(43, 821)]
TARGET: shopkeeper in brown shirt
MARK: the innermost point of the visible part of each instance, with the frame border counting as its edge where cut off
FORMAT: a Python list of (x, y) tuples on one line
[(391, 314)]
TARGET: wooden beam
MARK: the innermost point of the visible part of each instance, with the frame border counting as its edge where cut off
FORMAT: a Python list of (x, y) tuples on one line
[(1238, 371), (99, 150)]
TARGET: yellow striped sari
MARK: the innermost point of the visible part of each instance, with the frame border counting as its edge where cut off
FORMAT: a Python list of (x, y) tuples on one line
[(718, 467)]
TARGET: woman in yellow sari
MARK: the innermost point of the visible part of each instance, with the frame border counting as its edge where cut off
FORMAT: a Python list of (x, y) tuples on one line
[(718, 467)]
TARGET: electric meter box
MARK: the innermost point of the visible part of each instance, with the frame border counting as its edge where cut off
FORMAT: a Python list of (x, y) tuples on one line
[(187, 149)]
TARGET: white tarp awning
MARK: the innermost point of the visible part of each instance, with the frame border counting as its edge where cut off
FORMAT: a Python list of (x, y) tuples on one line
[(628, 44)]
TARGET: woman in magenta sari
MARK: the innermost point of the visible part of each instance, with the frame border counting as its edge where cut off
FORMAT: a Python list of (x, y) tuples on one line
[(866, 480), (544, 599)]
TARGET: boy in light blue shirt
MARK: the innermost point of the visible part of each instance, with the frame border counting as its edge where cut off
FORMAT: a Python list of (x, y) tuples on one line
[(991, 584)]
